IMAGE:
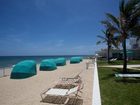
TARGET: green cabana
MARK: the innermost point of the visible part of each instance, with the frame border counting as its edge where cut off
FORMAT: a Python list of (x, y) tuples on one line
[(129, 53), (60, 61), (48, 65), (24, 69), (75, 60)]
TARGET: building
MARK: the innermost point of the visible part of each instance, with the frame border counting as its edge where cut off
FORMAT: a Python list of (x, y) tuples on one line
[(132, 53), (115, 53)]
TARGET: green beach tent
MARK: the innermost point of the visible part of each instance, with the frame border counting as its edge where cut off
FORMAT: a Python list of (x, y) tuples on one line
[(24, 69), (48, 65), (60, 61), (81, 58), (75, 60)]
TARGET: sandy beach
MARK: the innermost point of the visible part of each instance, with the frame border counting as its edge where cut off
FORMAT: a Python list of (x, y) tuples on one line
[(27, 91)]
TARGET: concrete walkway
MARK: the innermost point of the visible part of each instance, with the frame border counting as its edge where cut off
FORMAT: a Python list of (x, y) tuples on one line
[(121, 66)]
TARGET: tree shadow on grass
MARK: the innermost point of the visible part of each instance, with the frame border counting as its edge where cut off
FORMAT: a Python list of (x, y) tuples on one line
[(117, 70), (130, 71), (109, 76), (126, 79)]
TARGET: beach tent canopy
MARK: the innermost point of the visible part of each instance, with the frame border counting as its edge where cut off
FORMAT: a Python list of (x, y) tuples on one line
[(60, 61), (81, 58), (24, 69), (75, 60), (48, 65)]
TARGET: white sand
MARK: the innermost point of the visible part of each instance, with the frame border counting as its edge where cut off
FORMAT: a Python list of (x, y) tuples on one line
[(27, 91)]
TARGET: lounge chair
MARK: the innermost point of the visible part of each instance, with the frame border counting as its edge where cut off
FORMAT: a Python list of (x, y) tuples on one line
[(89, 64), (113, 59), (66, 93), (128, 75), (76, 79), (70, 82)]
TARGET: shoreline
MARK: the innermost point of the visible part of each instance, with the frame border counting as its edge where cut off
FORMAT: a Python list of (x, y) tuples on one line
[(8, 61)]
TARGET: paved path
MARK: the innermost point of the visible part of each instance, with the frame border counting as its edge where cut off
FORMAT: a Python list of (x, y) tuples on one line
[(121, 66)]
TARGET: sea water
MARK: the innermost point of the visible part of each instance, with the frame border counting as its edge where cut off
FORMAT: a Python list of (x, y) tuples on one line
[(9, 61)]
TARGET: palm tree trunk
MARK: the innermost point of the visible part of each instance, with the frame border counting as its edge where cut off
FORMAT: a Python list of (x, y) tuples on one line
[(124, 57), (108, 52), (108, 55)]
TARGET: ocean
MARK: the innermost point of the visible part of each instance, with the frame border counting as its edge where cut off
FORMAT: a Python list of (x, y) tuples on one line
[(8, 61)]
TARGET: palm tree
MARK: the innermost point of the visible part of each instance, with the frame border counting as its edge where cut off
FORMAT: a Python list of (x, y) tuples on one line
[(127, 24), (108, 37)]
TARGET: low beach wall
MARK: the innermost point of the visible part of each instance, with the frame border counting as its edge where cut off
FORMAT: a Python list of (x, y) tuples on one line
[(96, 98), (5, 71)]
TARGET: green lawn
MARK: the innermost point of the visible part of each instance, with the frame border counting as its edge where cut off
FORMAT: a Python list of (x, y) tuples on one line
[(117, 62), (136, 67), (118, 91)]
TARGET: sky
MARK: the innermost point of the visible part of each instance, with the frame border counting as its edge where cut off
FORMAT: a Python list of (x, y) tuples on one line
[(52, 27)]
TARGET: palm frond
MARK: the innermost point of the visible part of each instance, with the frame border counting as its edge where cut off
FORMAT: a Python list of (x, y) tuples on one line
[(135, 14), (118, 39), (106, 23), (113, 19), (115, 43), (138, 38), (114, 30), (135, 30), (131, 4), (121, 6), (110, 28), (101, 37), (104, 32), (133, 23), (131, 7), (97, 43)]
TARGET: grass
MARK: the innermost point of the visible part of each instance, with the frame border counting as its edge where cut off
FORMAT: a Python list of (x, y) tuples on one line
[(117, 62), (136, 67), (118, 91)]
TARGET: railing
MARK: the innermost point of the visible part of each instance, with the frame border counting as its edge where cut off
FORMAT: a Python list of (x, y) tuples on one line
[(96, 98), (5, 71)]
